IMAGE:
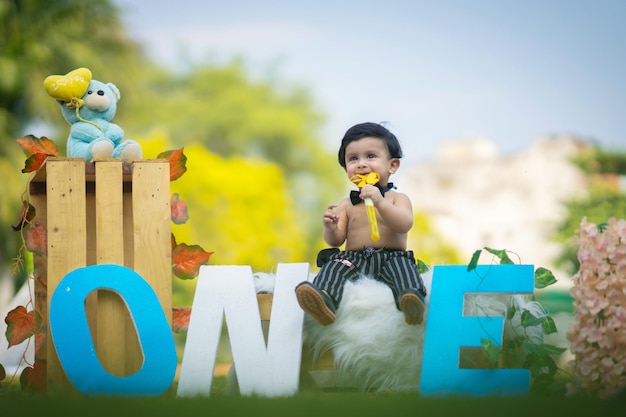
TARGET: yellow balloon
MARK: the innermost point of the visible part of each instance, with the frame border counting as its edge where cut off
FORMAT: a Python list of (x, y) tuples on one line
[(72, 85)]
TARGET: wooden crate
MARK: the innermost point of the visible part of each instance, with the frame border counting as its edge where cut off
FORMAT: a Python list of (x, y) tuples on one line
[(104, 212)]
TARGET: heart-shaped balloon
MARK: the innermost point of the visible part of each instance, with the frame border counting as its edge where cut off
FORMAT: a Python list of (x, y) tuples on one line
[(72, 85)]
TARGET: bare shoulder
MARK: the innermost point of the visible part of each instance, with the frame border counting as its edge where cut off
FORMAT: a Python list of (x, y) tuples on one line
[(398, 198), (344, 203)]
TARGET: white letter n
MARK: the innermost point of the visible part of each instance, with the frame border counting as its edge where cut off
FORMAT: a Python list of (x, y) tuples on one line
[(229, 291)]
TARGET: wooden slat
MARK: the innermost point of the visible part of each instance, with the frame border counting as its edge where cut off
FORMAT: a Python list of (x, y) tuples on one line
[(109, 213), (67, 239), (152, 228), (109, 235)]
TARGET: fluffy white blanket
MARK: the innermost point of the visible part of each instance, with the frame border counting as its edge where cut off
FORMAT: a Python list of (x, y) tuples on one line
[(373, 347)]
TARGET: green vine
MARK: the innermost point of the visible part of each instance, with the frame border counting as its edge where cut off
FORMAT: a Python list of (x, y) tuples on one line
[(537, 356)]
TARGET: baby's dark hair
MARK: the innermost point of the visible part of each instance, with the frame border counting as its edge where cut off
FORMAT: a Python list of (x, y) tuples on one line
[(369, 129)]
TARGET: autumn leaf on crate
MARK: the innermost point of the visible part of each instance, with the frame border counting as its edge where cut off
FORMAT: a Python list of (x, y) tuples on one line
[(37, 239), (21, 325), (179, 210), (36, 151), (26, 215), (34, 378), (177, 160), (180, 319), (186, 260)]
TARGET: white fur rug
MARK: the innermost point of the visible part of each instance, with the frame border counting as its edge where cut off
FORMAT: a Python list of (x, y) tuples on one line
[(373, 347)]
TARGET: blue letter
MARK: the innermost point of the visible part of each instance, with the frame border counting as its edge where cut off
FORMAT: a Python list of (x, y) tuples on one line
[(75, 348), (447, 330)]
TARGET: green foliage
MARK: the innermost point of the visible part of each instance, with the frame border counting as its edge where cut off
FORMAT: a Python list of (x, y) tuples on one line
[(12, 185), (606, 198), (77, 33), (523, 339), (544, 277), (599, 161), (40, 38), (500, 254)]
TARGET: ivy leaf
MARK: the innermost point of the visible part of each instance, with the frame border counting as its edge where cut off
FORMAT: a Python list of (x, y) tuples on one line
[(34, 378), (178, 162), (528, 319), (545, 349), (187, 259), (422, 267), (173, 241), (3, 373), (518, 341), (538, 362), (34, 162), (474, 262), (493, 353), (36, 151), (510, 313), (541, 383), (544, 278), (32, 145), (501, 254), (548, 325), (21, 325), (178, 210), (37, 239), (26, 215), (180, 319)]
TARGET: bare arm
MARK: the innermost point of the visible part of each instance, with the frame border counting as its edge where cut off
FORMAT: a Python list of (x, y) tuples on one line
[(335, 224), (395, 210)]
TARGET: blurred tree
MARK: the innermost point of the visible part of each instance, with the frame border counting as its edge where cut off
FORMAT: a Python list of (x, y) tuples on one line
[(239, 208), (40, 38), (220, 108), (231, 120), (229, 114), (606, 198), (429, 246)]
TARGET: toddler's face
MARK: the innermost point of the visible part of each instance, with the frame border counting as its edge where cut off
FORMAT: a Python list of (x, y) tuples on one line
[(367, 155)]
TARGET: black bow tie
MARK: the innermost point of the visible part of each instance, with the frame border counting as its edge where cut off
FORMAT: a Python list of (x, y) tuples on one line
[(354, 194)]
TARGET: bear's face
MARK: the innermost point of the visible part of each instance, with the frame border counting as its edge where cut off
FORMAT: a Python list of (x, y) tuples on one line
[(100, 102)]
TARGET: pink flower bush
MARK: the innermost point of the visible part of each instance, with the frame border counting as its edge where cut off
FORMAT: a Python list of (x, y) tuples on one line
[(598, 335)]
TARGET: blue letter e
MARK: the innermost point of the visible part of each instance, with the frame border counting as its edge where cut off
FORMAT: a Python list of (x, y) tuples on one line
[(447, 331)]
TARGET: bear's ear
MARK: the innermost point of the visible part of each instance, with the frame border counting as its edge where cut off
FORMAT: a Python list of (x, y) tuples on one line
[(115, 91)]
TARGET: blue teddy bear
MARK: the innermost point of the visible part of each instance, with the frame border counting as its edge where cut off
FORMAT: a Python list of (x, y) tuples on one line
[(92, 134)]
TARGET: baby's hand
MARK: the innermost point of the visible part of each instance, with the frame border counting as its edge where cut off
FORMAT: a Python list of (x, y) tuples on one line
[(370, 191), (331, 217)]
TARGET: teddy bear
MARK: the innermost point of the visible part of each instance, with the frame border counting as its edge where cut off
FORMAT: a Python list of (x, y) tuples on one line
[(88, 106)]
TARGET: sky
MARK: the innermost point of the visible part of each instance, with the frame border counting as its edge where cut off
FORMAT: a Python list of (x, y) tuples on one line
[(435, 71)]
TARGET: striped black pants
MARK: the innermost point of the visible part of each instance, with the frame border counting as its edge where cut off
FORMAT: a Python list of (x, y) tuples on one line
[(395, 268)]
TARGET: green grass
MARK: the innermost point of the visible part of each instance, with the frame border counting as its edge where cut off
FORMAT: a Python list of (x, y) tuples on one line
[(308, 402)]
